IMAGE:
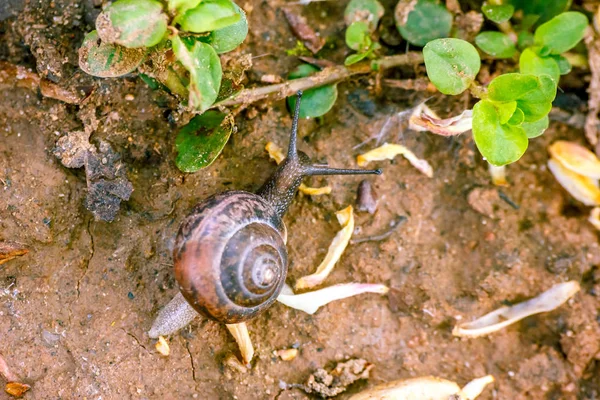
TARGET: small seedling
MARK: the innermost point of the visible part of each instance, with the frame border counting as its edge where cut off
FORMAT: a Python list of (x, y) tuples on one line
[(515, 106)]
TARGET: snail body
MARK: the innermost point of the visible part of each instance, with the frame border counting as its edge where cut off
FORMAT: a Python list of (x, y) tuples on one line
[(230, 256)]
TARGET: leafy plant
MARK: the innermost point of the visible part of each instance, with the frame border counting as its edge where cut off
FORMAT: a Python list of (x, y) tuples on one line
[(177, 48), (515, 106), (315, 102), (362, 18), (421, 21)]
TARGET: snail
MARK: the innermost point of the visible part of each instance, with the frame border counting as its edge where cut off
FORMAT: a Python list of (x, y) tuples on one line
[(230, 256)]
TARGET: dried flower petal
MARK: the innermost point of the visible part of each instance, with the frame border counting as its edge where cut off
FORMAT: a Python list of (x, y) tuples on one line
[(389, 151), (498, 175), (241, 336), (336, 248), (162, 346), (287, 354), (594, 217), (424, 388), (276, 153), (581, 187), (424, 119), (310, 302), (314, 191), (10, 250), (505, 316), (16, 389), (576, 158)]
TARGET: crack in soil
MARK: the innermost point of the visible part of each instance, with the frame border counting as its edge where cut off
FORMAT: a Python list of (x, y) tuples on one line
[(136, 339), (187, 346), (89, 259)]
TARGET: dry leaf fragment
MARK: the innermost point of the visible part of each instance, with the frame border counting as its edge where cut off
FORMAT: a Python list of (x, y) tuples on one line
[(424, 388), (425, 119), (16, 389), (242, 337), (580, 187), (303, 31), (276, 153), (310, 302), (389, 151), (505, 316), (336, 248), (287, 354), (329, 384), (163, 347), (594, 217), (10, 250), (576, 158)]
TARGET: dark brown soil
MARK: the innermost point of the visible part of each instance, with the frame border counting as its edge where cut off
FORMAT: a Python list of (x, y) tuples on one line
[(75, 310)]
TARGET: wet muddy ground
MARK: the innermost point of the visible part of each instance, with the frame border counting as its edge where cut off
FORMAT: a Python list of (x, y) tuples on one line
[(74, 312)]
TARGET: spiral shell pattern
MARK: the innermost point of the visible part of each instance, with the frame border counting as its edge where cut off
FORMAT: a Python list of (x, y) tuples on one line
[(230, 256)]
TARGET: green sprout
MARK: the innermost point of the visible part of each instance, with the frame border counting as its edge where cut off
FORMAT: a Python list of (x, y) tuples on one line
[(515, 106)]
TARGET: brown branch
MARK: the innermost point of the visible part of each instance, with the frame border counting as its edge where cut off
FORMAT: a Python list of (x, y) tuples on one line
[(324, 77)]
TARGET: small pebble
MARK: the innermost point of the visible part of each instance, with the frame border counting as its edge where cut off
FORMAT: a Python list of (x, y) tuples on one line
[(287, 354)]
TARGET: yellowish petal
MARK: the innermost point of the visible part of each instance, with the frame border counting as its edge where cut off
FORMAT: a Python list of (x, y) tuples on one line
[(580, 187), (594, 217), (389, 151), (242, 337), (163, 347), (314, 191), (576, 158), (275, 152)]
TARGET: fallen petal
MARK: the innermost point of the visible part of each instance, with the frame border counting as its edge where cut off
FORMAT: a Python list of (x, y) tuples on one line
[(275, 152), (16, 389), (580, 187), (424, 119), (594, 217), (505, 316), (242, 337), (287, 354), (162, 346), (336, 248), (314, 191), (389, 151), (576, 158), (498, 175), (310, 302), (176, 315), (473, 389)]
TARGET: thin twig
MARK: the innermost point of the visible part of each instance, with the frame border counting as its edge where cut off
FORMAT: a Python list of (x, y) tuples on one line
[(400, 220), (324, 77)]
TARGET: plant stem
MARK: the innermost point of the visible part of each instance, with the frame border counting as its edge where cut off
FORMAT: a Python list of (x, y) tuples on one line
[(326, 76)]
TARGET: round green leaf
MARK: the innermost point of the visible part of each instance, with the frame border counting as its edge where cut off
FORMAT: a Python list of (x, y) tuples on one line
[(201, 141), (498, 13), (451, 64), (505, 110), (230, 37), (531, 63), (517, 118), (499, 144), (562, 32), (535, 129), (421, 21), (510, 87), (204, 66), (181, 6), (354, 58), (357, 36), (315, 102), (209, 15), (564, 66), (524, 39), (107, 60), (368, 11), (496, 44), (132, 23), (539, 11)]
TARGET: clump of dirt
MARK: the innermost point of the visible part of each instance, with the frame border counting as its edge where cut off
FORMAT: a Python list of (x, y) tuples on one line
[(75, 309)]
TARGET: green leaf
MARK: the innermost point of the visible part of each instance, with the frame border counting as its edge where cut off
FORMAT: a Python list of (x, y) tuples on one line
[(368, 11), (315, 102), (498, 13), (230, 37), (539, 11), (564, 66), (505, 110), (517, 118), (531, 63), (209, 15), (451, 64), (181, 6), (201, 141), (510, 87), (421, 21), (562, 32), (107, 60), (204, 66), (537, 128), (357, 36), (354, 58), (499, 144), (496, 44), (132, 23), (524, 39), (537, 103)]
